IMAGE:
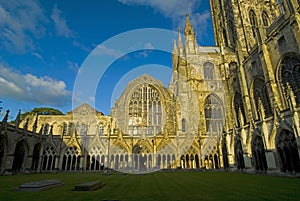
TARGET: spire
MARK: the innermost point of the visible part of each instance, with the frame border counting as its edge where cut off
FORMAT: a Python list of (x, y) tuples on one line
[(175, 49), (4, 121), (34, 127), (179, 39), (188, 29), (190, 37), (18, 119)]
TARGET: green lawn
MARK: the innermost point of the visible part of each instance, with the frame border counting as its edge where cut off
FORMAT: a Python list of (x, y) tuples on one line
[(173, 186)]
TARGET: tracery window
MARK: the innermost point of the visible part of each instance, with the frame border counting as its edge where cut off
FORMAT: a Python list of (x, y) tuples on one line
[(213, 114), (261, 92), (49, 157), (145, 111), (253, 22), (71, 159), (290, 75), (208, 70)]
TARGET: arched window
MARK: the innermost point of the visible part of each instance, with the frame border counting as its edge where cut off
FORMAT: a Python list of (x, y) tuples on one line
[(261, 92), (258, 154), (239, 107), (239, 155), (71, 159), (36, 156), (101, 129), (49, 157), (253, 22), (145, 111), (213, 114), (208, 70), (183, 121), (83, 129), (265, 18), (19, 157), (290, 75)]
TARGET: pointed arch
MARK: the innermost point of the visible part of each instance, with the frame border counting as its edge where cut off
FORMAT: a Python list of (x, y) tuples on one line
[(289, 74), (258, 153), (3, 151), (253, 22), (213, 111), (208, 70), (36, 156), (20, 154), (260, 92), (265, 18), (239, 107), (239, 154), (287, 151), (49, 157)]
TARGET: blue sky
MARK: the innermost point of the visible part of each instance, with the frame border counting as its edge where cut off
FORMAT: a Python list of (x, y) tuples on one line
[(43, 45)]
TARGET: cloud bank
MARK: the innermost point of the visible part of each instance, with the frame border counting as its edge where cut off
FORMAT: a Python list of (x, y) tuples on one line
[(22, 22), (30, 88), (176, 11)]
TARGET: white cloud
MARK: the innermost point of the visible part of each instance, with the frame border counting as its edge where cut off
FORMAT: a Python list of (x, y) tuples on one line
[(60, 23), (40, 57), (30, 88), (74, 66), (176, 11), (103, 50), (19, 21)]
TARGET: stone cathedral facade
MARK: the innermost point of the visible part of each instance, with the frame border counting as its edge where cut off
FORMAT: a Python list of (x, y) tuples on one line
[(232, 106)]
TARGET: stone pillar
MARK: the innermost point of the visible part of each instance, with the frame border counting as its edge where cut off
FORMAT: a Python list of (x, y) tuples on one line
[(270, 156), (270, 76)]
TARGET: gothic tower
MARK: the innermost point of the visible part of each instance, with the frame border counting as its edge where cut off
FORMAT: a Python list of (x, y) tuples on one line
[(241, 23)]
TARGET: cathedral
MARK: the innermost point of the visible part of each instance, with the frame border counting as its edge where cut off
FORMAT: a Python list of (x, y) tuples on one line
[(234, 106)]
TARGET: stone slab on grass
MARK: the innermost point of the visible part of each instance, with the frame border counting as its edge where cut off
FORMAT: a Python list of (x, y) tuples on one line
[(88, 186), (40, 185)]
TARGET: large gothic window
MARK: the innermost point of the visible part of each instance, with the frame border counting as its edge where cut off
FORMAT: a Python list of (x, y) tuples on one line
[(239, 107), (145, 111), (213, 114), (261, 92), (253, 22), (290, 75), (208, 70)]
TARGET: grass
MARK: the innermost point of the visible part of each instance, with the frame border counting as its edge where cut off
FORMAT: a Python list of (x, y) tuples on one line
[(164, 186)]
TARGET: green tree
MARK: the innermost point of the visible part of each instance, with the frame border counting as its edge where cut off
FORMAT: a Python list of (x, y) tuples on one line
[(42, 111)]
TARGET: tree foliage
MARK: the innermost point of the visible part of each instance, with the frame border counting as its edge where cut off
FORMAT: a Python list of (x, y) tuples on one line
[(42, 111)]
